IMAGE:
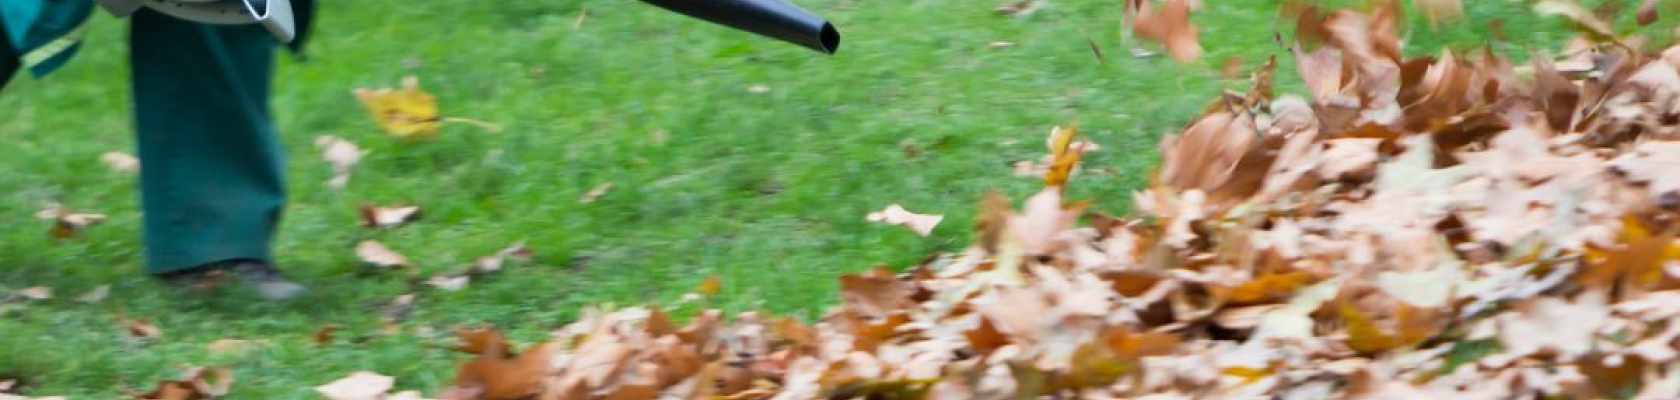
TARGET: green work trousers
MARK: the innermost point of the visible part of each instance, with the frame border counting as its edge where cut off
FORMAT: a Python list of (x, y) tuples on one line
[(211, 167)]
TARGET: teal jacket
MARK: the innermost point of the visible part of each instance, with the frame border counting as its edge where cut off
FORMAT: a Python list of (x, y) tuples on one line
[(46, 33)]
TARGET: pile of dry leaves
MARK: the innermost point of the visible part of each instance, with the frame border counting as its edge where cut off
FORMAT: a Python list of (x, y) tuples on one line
[(1442, 227)]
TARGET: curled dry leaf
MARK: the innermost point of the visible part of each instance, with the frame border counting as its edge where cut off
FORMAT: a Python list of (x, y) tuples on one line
[(139, 329), (895, 214), (375, 254), (388, 217), (341, 155), (196, 383), (67, 223), (1169, 25), (120, 162), (405, 113), (360, 385)]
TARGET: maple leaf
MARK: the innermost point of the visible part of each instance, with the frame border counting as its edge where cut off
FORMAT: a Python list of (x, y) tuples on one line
[(406, 113), (196, 383)]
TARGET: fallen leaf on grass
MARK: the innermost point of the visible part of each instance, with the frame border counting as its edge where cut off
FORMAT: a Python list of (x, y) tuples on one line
[(140, 329), (1647, 12), (1170, 26), (596, 193), (231, 346), (709, 287), (324, 336), (196, 383), (96, 295), (405, 113), (341, 155), (120, 161), (67, 223), (398, 309), (376, 254), (388, 217), (8, 396), (758, 88), (35, 293), (499, 378), (1020, 8), (449, 283), (895, 214), (493, 263), (1001, 44), (360, 385)]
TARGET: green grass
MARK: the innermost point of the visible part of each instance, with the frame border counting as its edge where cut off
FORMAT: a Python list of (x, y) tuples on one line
[(767, 191)]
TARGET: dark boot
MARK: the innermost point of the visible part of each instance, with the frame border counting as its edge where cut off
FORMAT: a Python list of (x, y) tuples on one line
[(256, 276)]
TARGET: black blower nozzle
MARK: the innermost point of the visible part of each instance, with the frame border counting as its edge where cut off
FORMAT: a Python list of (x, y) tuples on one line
[(773, 18)]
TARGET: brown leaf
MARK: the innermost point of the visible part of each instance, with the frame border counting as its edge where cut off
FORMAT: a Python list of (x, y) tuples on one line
[(875, 294), (1171, 27), (483, 341), (196, 384), (1020, 8), (895, 214), (360, 385), (388, 217), (141, 329), (508, 379), (324, 336), (67, 223), (1647, 12), (1267, 288), (375, 254)]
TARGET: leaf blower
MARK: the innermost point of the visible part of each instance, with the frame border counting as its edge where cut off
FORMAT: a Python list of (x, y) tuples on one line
[(772, 18)]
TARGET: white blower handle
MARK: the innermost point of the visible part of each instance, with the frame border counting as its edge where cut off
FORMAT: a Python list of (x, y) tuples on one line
[(275, 15)]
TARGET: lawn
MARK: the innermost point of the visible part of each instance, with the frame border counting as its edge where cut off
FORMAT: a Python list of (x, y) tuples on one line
[(766, 191)]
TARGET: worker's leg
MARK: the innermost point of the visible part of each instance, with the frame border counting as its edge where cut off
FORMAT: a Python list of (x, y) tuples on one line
[(9, 62), (210, 164)]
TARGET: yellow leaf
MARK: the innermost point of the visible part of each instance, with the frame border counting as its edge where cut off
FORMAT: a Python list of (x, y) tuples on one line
[(1267, 288), (1637, 259), (710, 287), (1412, 327), (406, 113), (1064, 155)]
